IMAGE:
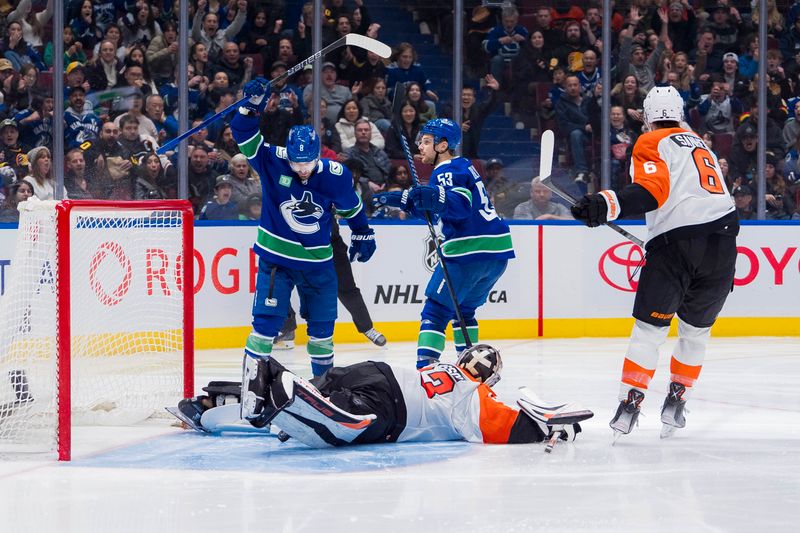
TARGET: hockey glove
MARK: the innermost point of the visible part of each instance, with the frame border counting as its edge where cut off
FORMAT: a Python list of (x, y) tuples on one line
[(362, 244), (427, 198), (392, 199), (256, 91), (596, 209)]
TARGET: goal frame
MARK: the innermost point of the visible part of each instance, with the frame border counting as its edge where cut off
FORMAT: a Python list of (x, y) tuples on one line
[(64, 209)]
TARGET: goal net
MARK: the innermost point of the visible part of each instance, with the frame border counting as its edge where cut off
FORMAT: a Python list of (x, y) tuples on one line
[(96, 324)]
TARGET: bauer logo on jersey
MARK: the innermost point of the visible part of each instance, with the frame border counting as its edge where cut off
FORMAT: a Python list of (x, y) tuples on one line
[(302, 215), (431, 259)]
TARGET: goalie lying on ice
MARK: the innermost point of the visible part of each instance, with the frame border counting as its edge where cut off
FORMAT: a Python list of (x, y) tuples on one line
[(374, 402)]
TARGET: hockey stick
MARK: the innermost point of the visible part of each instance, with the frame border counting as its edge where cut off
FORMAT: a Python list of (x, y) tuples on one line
[(545, 175), (351, 39), (445, 273)]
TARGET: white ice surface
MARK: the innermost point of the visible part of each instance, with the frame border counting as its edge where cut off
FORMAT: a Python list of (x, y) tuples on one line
[(735, 467)]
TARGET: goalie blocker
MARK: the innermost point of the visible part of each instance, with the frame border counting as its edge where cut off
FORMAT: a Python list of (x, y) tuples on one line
[(372, 402)]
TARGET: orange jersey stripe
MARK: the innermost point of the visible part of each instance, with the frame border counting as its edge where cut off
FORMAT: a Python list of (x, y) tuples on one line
[(496, 419), (635, 375), (648, 168), (683, 373)]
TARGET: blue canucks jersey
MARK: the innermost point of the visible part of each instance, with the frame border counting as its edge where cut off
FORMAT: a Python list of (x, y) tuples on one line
[(295, 226), (472, 229)]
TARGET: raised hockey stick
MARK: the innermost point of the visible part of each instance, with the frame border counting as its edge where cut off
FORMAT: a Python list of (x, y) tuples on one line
[(351, 39), (445, 273), (545, 175)]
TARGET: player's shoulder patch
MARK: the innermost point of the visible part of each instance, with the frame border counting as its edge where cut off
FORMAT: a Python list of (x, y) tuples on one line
[(280, 151), (334, 167)]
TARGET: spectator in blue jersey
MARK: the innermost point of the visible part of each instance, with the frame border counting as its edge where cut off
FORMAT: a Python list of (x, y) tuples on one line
[(36, 122), (590, 75), (405, 69), (84, 27), (477, 242), (294, 239), (503, 43), (221, 207), (80, 125)]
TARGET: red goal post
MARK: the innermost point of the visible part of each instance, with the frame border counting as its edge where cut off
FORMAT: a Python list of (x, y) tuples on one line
[(97, 324)]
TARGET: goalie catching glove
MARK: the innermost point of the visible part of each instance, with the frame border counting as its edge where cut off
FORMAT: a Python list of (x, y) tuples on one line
[(362, 244)]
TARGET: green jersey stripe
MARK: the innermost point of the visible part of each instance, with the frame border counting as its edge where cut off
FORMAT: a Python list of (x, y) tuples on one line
[(250, 146), (481, 244), (292, 250), (466, 193), (350, 213)]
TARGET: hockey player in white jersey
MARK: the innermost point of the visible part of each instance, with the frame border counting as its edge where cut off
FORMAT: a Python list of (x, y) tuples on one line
[(373, 402), (691, 254)]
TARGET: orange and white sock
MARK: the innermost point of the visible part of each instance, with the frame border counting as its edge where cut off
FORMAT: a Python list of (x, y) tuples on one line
[(640, 362), (689, 354)]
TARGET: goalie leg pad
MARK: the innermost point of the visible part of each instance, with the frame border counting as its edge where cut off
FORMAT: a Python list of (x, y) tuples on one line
[(261, 400), (313, 419)]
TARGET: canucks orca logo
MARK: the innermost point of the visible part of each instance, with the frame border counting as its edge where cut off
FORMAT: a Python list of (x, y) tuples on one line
[(302, 215)]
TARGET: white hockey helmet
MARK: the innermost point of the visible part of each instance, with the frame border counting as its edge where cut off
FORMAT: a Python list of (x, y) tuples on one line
[(663, 104), (482, 362)]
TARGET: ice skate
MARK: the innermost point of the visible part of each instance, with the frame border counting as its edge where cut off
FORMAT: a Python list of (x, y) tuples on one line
[(284, 341), (376, 337), (627, 414), (672, 411)]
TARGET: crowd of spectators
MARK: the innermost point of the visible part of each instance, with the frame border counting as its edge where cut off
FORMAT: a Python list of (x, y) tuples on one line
[(708, 50), (543, 58)]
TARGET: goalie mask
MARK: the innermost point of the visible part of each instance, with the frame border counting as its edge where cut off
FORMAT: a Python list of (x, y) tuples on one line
[(482, 362)]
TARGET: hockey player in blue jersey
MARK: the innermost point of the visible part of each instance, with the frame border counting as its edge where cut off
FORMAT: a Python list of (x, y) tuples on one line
[(294, 234), (477, 242)]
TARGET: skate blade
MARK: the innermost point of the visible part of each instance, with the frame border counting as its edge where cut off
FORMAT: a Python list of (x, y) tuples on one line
[(283, 345), (667, 431), (188, 423), (616, 436)]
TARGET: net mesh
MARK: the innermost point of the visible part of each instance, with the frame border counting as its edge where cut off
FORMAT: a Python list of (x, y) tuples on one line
[(126, 313)]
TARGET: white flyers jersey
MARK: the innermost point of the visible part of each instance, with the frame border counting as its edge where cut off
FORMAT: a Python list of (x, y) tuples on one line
[(444, 403), (683, 175)]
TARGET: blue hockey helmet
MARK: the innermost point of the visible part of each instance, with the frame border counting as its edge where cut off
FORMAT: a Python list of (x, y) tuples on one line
[(303, 149), (442, 129)]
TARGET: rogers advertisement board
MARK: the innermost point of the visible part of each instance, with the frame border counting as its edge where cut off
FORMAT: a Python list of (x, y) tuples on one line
[(586, 274)]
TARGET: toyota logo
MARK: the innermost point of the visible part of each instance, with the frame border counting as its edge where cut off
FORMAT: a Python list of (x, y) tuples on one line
[(618, 265)]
